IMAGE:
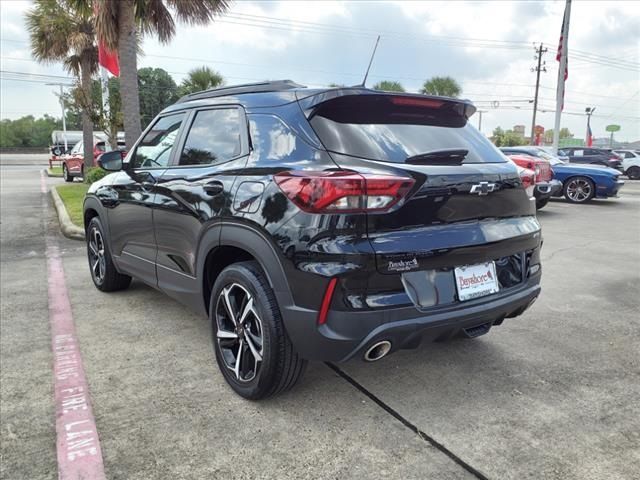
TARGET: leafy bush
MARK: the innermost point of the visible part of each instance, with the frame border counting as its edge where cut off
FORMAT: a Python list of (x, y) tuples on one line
[(94, 174)]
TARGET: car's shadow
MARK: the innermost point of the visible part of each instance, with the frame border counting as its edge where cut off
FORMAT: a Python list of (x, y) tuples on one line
[(597, 202)]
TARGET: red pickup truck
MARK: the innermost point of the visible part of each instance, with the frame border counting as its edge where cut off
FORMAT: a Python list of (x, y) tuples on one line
[(73, 162), (545, 185)]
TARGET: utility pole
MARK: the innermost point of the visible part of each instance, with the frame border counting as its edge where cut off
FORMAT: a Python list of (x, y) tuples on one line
[(540, 68), (480, 112)]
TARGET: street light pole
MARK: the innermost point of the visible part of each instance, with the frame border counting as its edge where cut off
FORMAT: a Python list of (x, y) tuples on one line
[(64, 120), (589, 111)]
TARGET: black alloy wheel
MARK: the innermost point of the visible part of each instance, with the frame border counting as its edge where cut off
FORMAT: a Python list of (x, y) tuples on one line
[(104, 274), (239, 332), (633, 173), (253, 351)]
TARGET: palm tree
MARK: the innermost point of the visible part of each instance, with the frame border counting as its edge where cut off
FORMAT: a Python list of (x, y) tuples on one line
[(443, 86), (59, 32), (119, 24), (201, 78), (389, 86)]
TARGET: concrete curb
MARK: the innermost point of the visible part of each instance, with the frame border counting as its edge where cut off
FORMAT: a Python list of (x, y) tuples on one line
[(52, 175), (69, 229)]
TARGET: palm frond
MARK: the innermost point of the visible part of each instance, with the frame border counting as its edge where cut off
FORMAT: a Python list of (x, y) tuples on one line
[(198, 12), (106, 22), (58, 33), (72, 65), (154, 18)]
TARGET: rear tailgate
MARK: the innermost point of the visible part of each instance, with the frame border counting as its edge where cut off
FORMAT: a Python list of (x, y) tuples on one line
[(458, 212)]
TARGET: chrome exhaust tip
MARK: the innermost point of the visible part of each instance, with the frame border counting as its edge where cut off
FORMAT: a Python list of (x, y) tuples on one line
[(377, 351)]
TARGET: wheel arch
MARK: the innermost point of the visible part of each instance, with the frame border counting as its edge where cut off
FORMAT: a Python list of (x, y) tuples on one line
[(93, 208), (238, 242)]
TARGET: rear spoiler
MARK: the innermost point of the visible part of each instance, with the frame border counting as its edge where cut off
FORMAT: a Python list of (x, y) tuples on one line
[(310, 101)]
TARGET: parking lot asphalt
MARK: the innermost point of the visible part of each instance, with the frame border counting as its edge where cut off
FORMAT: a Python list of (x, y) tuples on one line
[(552, 394)]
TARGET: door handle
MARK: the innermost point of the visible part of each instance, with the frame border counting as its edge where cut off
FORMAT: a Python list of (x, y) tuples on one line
[(214, 188)]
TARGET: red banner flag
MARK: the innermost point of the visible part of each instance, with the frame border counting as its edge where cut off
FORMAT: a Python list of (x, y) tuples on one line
[(108, 60)]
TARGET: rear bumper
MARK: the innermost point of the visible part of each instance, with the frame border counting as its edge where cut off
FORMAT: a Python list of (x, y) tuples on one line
[(348, 335), (545, 190)]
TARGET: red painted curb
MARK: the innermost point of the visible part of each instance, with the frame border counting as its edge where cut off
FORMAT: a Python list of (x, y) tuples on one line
[(77, 442)]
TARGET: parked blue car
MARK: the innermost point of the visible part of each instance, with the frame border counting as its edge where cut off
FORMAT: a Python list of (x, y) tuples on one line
[(581, 183)]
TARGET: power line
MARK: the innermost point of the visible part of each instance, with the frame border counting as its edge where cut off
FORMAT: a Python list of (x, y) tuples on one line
[(382, 77)]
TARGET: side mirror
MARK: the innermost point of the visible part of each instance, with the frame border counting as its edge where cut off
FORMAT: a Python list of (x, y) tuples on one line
[(111, 161)]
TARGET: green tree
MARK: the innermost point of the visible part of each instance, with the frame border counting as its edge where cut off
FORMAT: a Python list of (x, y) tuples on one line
[(157, 91), (60, 32), (110, 124), (201, 78), (119, 24), (28, 131), (564, 133), (442, 86), (389, 86), (507, 138)]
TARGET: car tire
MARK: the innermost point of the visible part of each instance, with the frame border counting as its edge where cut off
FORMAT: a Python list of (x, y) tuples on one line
[(65, 173), (633, 172), (82, 172), (256, 357), (579, 189), (103, 272), (541, 203)]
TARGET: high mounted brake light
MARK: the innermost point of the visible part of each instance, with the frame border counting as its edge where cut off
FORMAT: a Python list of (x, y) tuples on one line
[(343, 191), (416, 102)]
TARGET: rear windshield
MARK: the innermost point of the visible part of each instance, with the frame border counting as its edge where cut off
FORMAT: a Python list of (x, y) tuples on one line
[(373, 127)]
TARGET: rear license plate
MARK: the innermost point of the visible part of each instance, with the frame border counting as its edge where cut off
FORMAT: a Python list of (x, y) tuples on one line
[(473, 281)]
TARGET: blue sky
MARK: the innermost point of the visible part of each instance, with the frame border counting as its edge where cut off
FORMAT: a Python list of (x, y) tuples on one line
[(486, 46)]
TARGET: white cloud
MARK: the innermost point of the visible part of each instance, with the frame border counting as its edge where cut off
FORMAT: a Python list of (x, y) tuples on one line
[(280, 39)]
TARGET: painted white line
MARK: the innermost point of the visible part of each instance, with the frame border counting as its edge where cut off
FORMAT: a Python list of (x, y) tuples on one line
[(77, 442)]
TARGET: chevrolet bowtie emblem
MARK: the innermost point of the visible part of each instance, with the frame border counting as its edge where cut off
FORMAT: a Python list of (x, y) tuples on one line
[(483, 188)]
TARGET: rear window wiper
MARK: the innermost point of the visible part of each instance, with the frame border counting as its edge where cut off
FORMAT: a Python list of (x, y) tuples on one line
[(451, 156)]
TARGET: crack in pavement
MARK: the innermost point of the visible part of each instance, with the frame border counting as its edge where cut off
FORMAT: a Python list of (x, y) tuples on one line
[(424, 436)]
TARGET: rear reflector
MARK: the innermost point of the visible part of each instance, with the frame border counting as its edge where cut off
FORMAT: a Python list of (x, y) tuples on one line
[(342, 191), (326, 301)]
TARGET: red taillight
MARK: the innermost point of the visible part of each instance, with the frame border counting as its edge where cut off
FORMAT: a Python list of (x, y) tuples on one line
[(528, 177), (342, 191), (326, 301), (416, 102)]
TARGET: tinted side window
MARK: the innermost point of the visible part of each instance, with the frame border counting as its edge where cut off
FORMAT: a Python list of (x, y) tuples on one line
[(155, 148), (214, 137), (271, 138)]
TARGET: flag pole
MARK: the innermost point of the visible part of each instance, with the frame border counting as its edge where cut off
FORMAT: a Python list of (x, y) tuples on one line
[(104, 84), (562, 68)]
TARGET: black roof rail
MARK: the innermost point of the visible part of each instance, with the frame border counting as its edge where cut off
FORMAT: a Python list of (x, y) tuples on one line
[(269, 86)]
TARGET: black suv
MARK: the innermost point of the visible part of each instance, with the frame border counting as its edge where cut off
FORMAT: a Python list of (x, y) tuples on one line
[(317, 224), (595, 156)]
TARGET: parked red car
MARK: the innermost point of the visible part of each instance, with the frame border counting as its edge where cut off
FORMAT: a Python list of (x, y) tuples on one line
[(545, 185), (73, 162)]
